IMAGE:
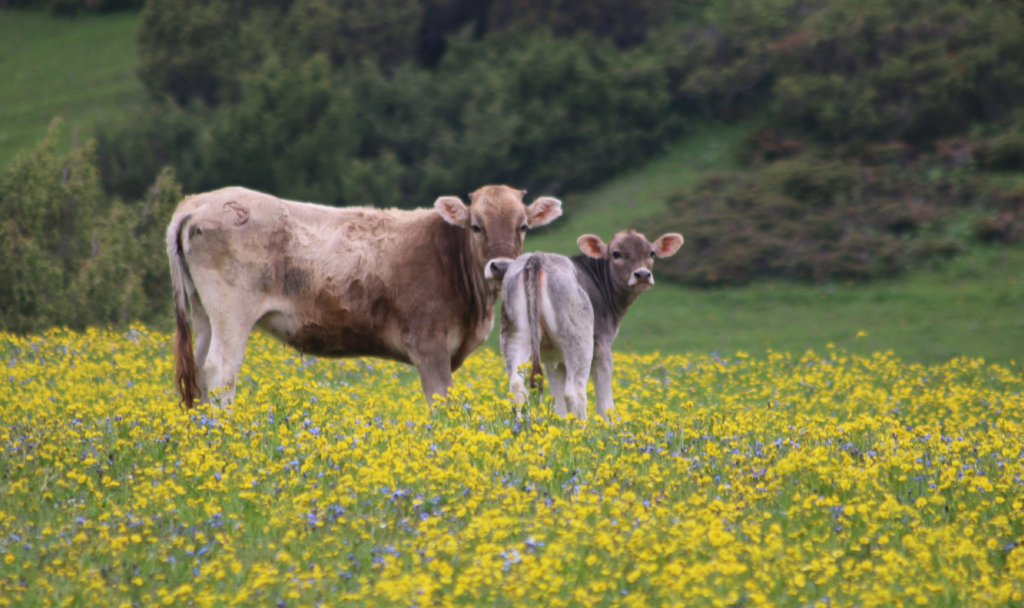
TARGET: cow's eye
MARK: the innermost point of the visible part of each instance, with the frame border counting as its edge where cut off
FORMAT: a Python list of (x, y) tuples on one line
[(652, 254), (477, 228), (524, 227), (616, 255)]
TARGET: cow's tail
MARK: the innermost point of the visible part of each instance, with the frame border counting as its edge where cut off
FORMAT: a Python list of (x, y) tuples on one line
[(185, 374), (531, 284)]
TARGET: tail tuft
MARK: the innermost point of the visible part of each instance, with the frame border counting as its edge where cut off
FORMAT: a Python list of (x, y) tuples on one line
[(185, 374), (531, 282), (184, 361)]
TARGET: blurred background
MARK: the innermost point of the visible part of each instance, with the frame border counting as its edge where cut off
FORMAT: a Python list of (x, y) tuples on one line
[(845, 172)]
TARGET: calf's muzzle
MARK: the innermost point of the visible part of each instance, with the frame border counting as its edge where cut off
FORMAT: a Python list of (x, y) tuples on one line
[(641, 276)]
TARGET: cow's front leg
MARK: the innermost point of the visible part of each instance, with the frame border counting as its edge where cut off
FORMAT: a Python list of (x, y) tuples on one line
[(601, 372), (435, 367)]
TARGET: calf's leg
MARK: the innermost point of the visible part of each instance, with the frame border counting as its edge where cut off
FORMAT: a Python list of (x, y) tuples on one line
[(577, 368), (601, 370), (556, 382), (515, 347)]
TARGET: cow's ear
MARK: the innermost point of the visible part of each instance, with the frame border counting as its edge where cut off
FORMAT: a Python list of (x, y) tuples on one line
[(668, 244), (543, 211), (592, 245), (453, 211)]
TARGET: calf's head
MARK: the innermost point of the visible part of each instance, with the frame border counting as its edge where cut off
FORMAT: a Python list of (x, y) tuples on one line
[(497, 220), (630, 256)]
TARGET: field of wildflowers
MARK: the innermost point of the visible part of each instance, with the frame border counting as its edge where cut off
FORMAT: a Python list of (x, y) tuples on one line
[(827, 479)]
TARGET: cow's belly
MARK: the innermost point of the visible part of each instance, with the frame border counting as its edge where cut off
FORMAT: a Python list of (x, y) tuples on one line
[(331, 341)]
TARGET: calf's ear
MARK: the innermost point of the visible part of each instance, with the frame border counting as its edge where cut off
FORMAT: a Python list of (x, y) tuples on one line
[(453, 211), (592, 245), (543, 211), (668, 244)]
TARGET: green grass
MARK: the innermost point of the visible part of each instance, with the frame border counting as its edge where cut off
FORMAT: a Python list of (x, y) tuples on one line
[(81, 69), (625, 201), (972, 306)]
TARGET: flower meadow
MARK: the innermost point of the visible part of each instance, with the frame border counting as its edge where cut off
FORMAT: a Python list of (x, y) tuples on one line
[(816, 479)]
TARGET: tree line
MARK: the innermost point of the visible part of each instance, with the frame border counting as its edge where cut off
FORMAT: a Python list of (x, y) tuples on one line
[(883, 127)]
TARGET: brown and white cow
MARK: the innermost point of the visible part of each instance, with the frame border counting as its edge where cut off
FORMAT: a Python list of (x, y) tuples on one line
[(411, 286)]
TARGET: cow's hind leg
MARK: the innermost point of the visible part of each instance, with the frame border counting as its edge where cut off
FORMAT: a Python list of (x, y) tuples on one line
[(204, 334), (226, 352)]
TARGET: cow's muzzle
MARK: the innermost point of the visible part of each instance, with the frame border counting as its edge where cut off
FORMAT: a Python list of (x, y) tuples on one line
[(641, 279), (496, 268)]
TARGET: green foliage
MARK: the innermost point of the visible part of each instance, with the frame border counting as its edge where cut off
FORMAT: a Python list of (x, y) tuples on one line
[(66, 258), (132, 152), (46, 208), (847, 71), (193, 49), (71, 8), (626, 22), (292, 134), (885, 116), (531, 109), (817, 218), (915, 71), (352, 30)]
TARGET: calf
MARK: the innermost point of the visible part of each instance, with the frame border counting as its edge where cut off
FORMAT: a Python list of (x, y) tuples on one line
[(566, 313)]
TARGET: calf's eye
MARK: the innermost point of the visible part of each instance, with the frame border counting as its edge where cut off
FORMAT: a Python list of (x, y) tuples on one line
[(652, 254), (477, 229), (523, 227), (616, 255)]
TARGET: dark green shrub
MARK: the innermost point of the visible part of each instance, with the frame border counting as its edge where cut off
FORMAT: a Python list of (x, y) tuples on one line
[(47, 206), (915, 71), (817, 219), (1004, 152), (132, 152), (626, 22), (543, 112), (532, 109), (69, 258), (292, 134), (198, 49), (351, 30)]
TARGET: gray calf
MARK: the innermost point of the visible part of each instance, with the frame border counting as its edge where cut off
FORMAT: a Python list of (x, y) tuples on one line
[(566, 313)]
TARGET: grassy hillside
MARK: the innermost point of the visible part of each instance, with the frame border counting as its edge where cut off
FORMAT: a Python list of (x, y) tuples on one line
[(82, 69), (972, 306)]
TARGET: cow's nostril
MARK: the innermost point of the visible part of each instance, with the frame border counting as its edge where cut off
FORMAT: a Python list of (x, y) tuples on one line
[(495, 269)]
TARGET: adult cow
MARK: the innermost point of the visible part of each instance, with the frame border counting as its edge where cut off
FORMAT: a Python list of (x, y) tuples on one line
[(411, 286)]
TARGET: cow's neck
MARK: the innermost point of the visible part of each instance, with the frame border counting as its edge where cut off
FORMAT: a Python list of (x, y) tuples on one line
[(465, 276), (610, 303)]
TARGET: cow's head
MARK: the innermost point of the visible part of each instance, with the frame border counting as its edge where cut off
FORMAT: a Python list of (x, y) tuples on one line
[(630, 256), (498, 220)]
